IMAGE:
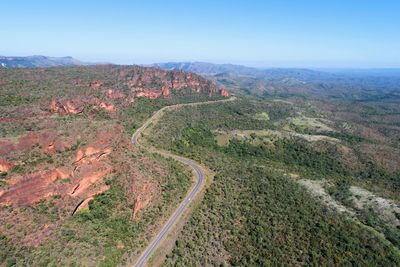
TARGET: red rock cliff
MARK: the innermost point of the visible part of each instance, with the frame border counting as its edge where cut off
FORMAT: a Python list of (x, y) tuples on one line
[(125, 83)]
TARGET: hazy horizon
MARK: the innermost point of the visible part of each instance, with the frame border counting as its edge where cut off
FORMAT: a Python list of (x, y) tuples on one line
[(310, 34), (245, 64)]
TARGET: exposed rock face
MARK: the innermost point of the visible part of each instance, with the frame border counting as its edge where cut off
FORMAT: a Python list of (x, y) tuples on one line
[(5, 166), (143, 199), (91, 153), (65, 162), (85, 173), (152, 94), (85, 203), (67, 107), (154, 83), (166, 91), (115, 94), (89, 175), (107, 107), (224, 92), (141, 82), (77, 106)]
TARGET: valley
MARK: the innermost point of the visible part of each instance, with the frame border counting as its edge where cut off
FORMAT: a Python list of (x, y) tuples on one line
[(255, 193), (303, 175), (70, 174), (199, 133)]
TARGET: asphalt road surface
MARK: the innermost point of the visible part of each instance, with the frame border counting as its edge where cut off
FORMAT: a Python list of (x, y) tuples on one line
[(198, 172)]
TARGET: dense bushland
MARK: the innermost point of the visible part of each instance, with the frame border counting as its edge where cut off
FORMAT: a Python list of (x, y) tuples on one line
[(254, 214)]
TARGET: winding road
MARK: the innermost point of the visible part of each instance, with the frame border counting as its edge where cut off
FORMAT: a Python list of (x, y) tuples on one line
[(189, 198)]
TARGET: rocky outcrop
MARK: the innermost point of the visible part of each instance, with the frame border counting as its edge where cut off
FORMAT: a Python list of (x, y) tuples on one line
[(143, 199), (91, 153), (107, 106), (5, 166), (146, 81), (85, 202), (166, 91), (224, 92), (63, 107), (141, 82), (77, 106), (114, 94), (152, 94), (81, 177), (89, 175)]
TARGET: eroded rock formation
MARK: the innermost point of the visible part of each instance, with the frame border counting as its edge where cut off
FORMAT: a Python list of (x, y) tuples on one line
[(141, 82), (5, 166)]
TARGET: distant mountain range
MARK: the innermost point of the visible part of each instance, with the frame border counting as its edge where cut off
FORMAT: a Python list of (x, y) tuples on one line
[(38, 62), (205, 68), (209, 69), (343, 83), (277, 73)]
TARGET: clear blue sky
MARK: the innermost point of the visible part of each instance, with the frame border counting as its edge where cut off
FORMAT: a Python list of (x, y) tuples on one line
[(307, 33)]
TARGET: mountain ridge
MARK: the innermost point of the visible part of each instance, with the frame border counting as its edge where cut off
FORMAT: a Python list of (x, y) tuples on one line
[(206, 68), (39, 61)]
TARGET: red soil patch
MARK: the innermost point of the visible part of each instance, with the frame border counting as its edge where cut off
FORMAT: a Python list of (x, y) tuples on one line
[(30, 188), (144, 197), (5, 147), (47, 140)]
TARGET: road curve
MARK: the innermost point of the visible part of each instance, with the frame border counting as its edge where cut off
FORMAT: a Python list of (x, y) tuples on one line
[(198, 172)]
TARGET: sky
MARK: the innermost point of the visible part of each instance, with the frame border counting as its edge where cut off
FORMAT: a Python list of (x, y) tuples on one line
[(286, 33)]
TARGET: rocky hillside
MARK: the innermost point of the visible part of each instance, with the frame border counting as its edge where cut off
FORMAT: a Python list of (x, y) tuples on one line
[(29, 101), (103, 86), (38, 62), (65, 143)]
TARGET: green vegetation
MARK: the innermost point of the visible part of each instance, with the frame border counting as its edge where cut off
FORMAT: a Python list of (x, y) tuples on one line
[(105, 232), (39, 142), (136, 114), (263, 116), (254, 214)]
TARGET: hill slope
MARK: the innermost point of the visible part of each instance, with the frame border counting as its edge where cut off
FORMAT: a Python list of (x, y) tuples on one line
[(68, 171)]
